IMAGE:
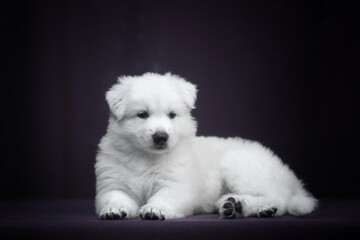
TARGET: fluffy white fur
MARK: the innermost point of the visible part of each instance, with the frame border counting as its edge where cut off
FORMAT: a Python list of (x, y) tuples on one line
[(190, 174)]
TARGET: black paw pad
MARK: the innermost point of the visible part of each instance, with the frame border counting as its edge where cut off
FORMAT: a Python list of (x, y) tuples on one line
[(228, 205), (267, 212), (231, 208)]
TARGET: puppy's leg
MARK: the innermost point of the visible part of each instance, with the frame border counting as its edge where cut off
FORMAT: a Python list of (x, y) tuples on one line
[(242, 205), (116, 205), (168, 203)]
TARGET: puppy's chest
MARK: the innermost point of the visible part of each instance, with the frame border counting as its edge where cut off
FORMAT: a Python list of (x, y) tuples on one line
[(144, 181)]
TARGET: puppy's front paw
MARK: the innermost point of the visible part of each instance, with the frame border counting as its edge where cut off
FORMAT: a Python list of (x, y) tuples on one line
[(151, 213), (113, 213)]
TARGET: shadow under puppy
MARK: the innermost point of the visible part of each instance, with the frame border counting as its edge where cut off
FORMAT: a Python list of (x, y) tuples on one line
[(151, 164)]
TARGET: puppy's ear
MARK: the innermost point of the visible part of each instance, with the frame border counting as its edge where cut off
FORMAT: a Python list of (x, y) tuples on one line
[(116, 99), (188, 91)]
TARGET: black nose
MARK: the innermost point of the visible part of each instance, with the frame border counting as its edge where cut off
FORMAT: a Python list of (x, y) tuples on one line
[(160, 138)]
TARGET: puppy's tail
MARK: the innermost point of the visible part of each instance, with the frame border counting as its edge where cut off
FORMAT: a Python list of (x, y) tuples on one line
[(302, 204)]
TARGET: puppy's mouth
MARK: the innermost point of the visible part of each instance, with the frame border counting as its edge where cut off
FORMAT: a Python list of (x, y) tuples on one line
[(160, 147)]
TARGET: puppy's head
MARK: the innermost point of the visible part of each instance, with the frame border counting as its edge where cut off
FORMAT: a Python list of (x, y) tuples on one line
[(152, 112)]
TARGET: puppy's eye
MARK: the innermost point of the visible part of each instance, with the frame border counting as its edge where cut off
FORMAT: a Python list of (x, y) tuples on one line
[(143, 114), (172, 115)]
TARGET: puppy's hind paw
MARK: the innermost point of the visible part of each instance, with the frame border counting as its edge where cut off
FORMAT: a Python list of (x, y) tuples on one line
[(266, 212), (231, 208)]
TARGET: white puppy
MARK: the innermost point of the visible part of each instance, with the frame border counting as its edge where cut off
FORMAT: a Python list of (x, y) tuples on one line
[(151, 164)]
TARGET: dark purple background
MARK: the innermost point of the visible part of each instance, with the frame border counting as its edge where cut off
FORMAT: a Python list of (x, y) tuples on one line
[(285, 73)]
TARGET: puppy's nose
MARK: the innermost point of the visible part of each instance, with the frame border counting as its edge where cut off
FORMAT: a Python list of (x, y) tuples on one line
[(160, 138)]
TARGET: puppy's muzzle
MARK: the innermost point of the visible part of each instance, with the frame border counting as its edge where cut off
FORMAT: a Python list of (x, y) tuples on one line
[(160, 139)]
